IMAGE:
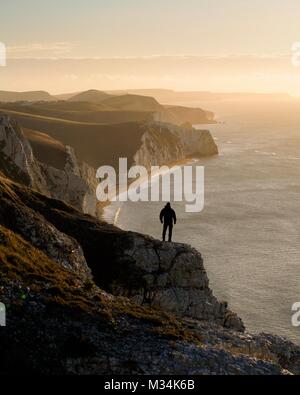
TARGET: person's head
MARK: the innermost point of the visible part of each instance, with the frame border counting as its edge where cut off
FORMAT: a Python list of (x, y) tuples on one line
[(168, 205)]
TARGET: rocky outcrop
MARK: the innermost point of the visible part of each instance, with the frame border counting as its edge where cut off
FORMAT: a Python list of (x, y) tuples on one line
[(163, 275), (60, 322), (74, 183), (85, 297), (170, 276), (27, 223), (16, 157), (166, 143)]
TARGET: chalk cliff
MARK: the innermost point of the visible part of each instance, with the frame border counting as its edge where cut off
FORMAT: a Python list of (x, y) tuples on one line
[(70, 181), (68, 173), (166, 143)]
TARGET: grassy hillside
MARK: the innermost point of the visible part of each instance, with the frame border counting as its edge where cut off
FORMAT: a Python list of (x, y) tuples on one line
[(134, 103), (46, 149), (6, 96), (127, 102), (95, 144), (92, 96), (78, 111), (114, 110), (95, 106)]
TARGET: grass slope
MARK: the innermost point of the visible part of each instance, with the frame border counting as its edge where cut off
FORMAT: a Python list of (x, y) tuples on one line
[(96, 144)]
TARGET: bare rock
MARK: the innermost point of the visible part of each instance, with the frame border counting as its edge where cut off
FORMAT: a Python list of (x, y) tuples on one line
[(75, 183), (172, 277)]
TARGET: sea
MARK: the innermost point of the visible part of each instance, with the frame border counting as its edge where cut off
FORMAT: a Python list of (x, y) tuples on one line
[(249, 230)]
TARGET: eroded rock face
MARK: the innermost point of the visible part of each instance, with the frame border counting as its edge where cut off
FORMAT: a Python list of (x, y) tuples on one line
[(54, 339), (58, 325), (16, 157), (75, 183), (171, 276), (168, 276), (24, 221), (163, 143), (61, 322)]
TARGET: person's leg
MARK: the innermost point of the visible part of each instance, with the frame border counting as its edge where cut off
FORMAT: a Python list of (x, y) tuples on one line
[(164, 232), (170, 232)]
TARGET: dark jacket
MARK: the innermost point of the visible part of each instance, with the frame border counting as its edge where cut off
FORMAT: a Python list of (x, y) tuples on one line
[(168, 215)]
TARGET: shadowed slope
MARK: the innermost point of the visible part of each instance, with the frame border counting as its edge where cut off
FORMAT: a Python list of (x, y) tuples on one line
[(46, 149), (60, 322)]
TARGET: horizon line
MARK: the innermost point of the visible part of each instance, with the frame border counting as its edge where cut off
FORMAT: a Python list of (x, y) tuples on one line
[(157, 89), (154, 56)]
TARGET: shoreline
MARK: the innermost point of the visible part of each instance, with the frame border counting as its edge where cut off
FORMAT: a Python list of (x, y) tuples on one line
[(103, 206), (238, 261)]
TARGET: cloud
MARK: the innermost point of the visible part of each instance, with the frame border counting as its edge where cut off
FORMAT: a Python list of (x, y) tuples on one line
[(72, 77), (66, 50), (44, 50), (238, 72)]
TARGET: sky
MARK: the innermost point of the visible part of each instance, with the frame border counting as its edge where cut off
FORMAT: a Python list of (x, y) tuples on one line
[(196, 44)]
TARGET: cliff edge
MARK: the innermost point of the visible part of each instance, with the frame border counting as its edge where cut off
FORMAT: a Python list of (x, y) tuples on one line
[(57, 265), (84, 297), (151, 273), (63, 177), (63, 165)]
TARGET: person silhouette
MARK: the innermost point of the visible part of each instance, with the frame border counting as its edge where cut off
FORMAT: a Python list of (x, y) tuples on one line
[(167, 218)]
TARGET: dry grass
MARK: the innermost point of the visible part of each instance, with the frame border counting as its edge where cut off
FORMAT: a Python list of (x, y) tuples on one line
[(21, 263)]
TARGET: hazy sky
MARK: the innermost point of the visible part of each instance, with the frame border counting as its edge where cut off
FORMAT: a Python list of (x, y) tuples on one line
[(140, 28)]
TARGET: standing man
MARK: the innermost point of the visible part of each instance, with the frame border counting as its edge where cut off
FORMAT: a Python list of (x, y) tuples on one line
[(168, 218)]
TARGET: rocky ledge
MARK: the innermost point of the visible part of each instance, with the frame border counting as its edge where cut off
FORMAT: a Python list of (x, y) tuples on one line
[(84, 297), (169, 276)]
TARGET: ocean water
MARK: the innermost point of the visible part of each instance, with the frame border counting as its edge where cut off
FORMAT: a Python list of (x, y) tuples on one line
[(249, 230)]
